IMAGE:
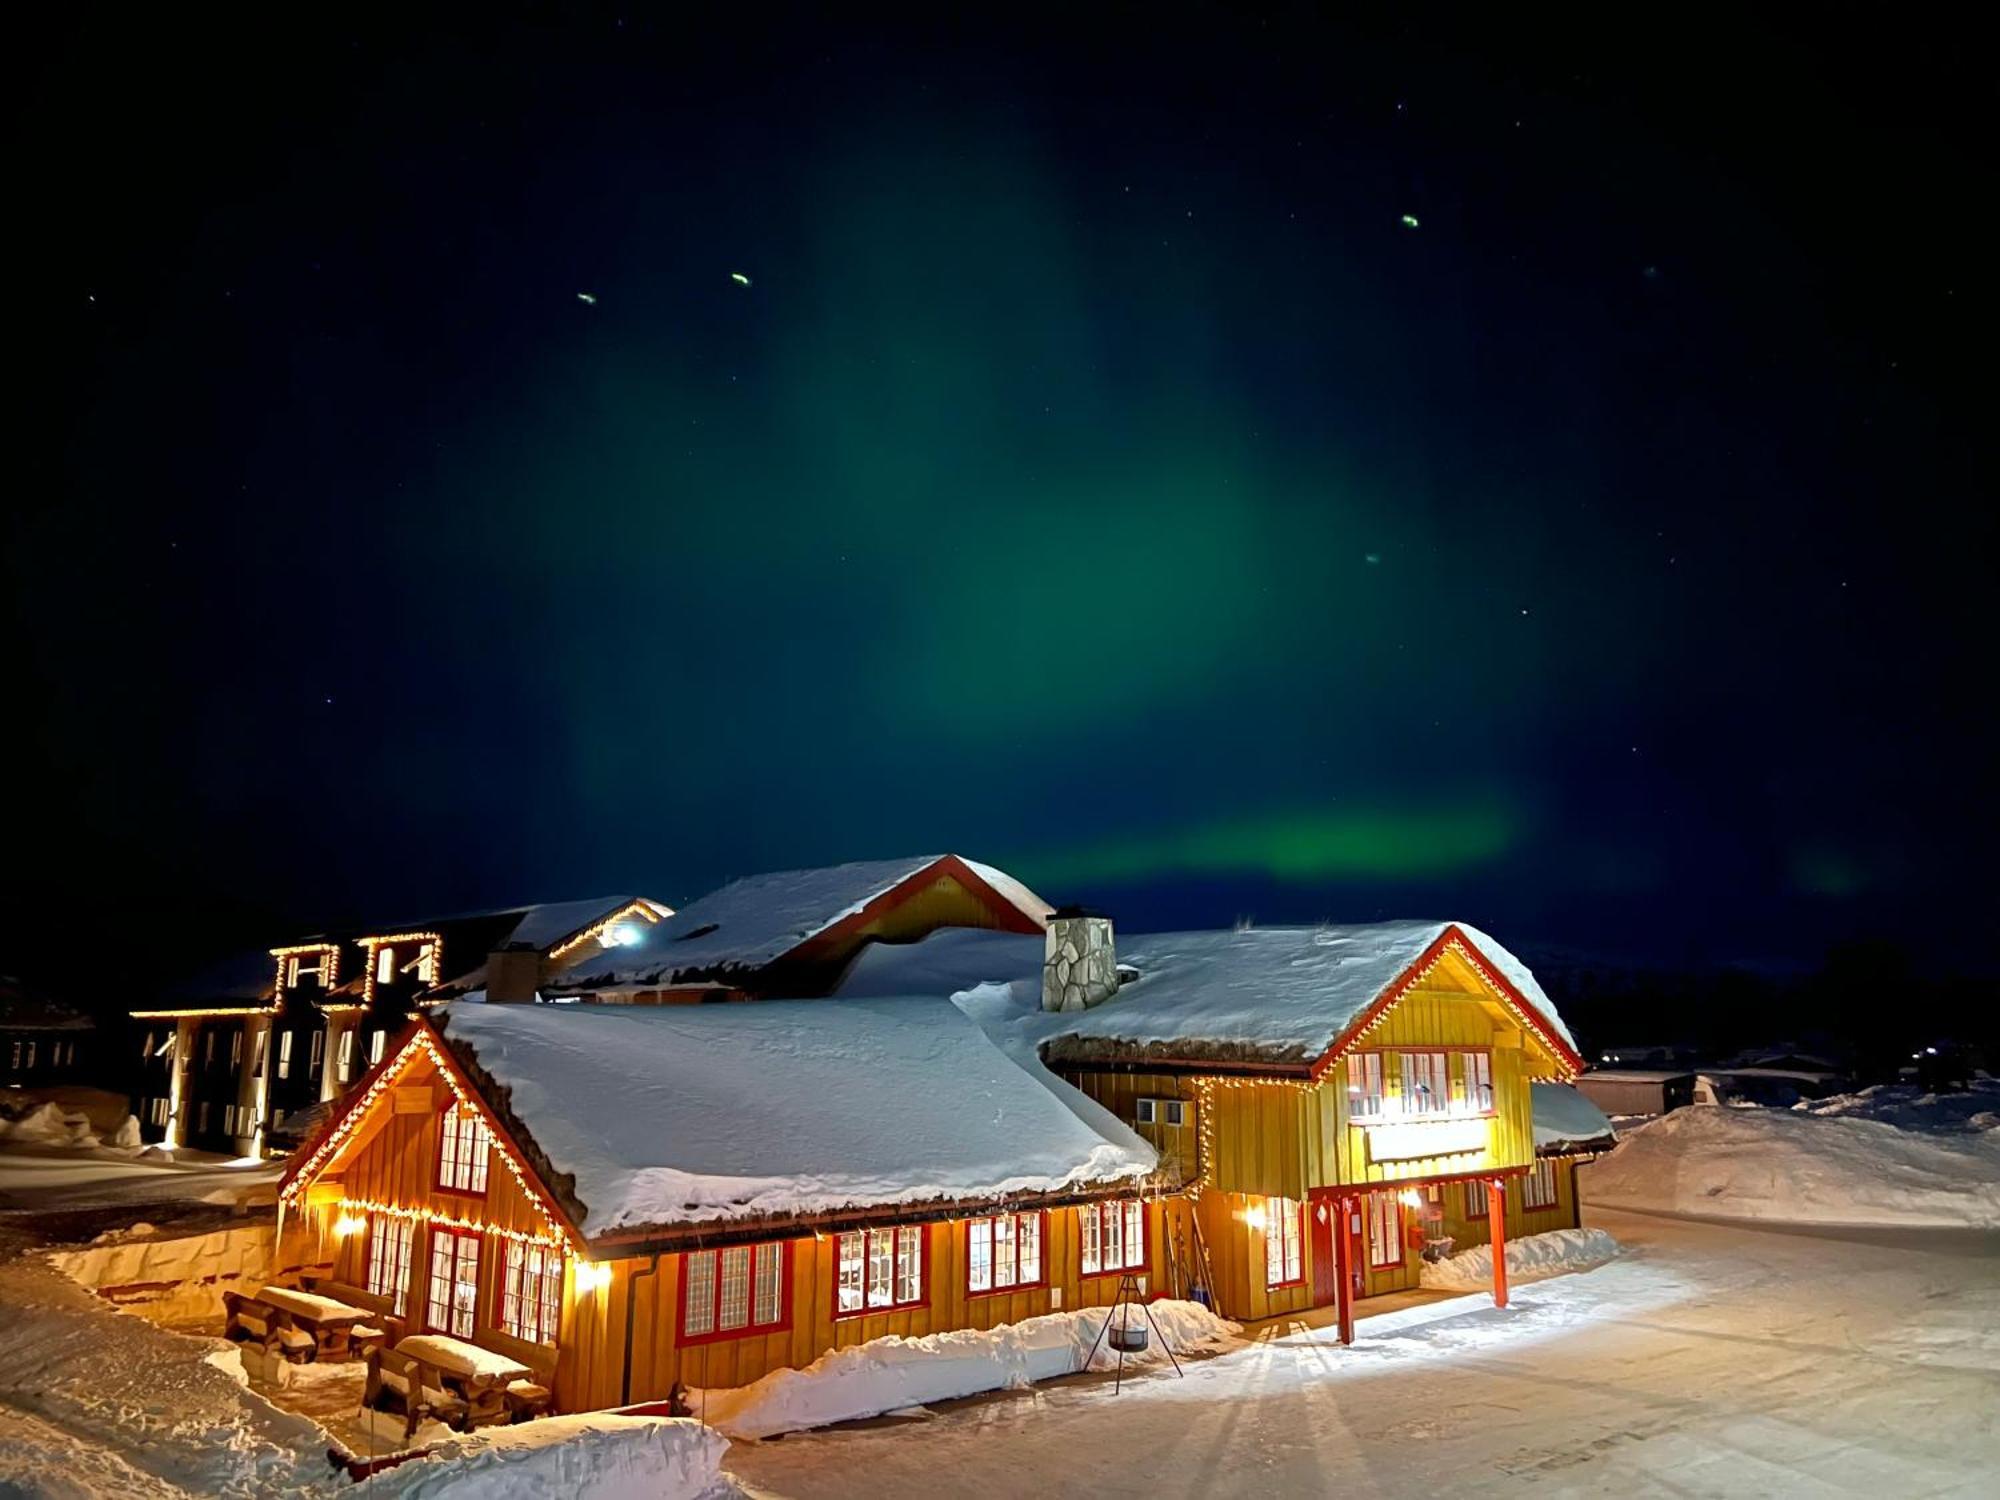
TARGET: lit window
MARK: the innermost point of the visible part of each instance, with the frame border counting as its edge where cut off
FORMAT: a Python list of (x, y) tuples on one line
[(285, 1054), (1541, 1190), (376, 1044), (1364, 1085), (385, 965), (1284, 1264), (1385, 1230), (734, 1291), (318, 1051), (1425, 1087), (1479, 1079), (389, 1259), (531, 1292), (454, 1295), (263, 1048), (1114, 1236), (463, 1140), (346, 1056), (1476, 1206), (1003, 1252), (879, 1269)]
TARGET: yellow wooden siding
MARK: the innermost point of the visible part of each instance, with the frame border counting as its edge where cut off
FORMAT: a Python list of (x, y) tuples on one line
[(1121, 1092), (1432, 1018), (593, 1366), (1469, 1230), (1260, 1138)]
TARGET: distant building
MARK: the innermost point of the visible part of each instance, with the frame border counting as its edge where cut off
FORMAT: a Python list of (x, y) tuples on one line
[(42, 1041), (1637, 1091)]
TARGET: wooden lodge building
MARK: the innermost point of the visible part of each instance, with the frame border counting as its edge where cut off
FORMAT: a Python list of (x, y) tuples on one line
[(241, 1057), (944, 1106)]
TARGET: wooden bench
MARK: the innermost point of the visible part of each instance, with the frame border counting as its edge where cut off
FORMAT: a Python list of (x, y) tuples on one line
[(271, 1329), (397, 1383)]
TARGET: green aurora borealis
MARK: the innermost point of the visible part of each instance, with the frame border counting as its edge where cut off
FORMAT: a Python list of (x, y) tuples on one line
[(1096, 476)]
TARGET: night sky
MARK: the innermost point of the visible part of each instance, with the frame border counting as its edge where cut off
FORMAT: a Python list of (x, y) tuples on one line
[(1213, 465)]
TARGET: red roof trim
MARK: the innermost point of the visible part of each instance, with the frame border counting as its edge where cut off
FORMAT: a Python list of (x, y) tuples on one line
[(1012, 918), (1400, 985)]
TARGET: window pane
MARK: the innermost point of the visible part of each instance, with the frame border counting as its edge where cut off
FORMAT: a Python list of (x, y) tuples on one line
[(770, 1285), (1004, 1273), (979, 1255), (1031, 1248), (852, 1261), (1135, 1234), (1114, 1237), (735, 1287), (881, 1267), (700, 1299), (1089, 1222), (909, 1265)]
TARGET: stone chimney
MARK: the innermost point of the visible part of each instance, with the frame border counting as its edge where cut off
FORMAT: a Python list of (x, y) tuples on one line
[(1079, 960), (513, 975)]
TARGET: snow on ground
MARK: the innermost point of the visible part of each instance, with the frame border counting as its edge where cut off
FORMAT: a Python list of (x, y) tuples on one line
[(889, 1374), (44, 1179), (596, 1456), (1529, 1258), (97, 1402), (1805, 1167), (1706, 1360), (1976, 1108)]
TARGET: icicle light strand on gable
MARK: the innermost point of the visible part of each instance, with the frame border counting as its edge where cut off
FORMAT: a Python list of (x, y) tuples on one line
[(421, 1043), (597, 929)]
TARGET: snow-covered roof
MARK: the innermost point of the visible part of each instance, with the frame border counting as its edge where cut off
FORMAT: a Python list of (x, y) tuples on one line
[(1272, 994), (670, 1115), (25, 1009), (1566, 1121), (759, 919)]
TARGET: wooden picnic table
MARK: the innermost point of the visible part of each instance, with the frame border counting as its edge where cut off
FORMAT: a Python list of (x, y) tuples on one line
[(330, 1322), (479, 1375)]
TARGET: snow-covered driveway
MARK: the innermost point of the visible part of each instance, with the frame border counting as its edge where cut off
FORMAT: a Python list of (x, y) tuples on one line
[(1707, 1361)]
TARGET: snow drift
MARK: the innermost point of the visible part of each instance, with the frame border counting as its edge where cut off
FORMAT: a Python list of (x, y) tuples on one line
[(594, 1456), (888, 1374), (1529, 1258), (49, 1125), (1803, 1168)]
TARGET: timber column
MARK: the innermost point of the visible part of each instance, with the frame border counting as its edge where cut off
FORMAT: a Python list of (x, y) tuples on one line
[(1343, 1267), (1496, 1220)]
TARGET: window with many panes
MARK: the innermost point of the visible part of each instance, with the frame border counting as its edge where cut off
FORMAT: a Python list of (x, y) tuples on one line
[(1385, 1230), (463, 1140), (1541, 1185), (1364, 1085), (1284, 1257), (389, 1240), (454, 1300), (1113, 1236), (1476, 1204), (1003, 1251), (1426, 1086), (1478, 1079), (531, 1292), (725, 1293), (879, 1269)]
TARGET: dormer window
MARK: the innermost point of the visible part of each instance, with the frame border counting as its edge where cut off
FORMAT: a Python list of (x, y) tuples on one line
[(312, 965), (427, 964), (385, 965)]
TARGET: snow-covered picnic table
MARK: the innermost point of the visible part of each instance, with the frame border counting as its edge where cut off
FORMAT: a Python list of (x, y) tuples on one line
[(312, 1305), (479, 1375)]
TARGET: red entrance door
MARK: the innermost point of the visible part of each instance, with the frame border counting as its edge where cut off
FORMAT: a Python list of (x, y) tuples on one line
[(1323, 1219)]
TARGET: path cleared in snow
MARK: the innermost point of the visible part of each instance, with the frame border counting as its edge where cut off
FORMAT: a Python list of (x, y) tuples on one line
[(1708, 1359)]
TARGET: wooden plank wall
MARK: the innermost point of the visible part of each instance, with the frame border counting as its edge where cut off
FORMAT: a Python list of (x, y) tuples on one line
[(592, 1371), (1521, 1220), (1121, 1092)]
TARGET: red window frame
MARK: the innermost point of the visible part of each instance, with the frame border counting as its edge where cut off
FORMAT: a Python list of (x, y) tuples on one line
[(479, 1168), (390, 1249), (1393, 1205), (1367, 1078), (547, 1311), (1543, 1170), (1117, 1206), (1436, 1069), (1271, 1230), (751, 1327), (457, 1262), (1040, 1219), (868, 1238)]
